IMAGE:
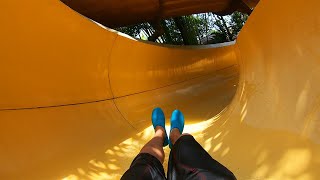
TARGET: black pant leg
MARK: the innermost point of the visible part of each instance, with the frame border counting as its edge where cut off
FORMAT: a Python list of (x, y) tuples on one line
[(145, 167), (188, 160)]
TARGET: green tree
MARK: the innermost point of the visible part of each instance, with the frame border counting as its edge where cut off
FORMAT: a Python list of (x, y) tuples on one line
[(227, 27), (204, 28), (237, 21), (136, 30), (171, 32)]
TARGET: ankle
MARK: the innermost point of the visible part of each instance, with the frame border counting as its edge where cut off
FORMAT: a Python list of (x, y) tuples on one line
[(174, 135), (160, 131)]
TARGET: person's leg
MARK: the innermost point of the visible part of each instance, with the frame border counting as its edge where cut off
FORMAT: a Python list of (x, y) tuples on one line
[(148, 163), (188, 160), (154, 146), (175, 135)]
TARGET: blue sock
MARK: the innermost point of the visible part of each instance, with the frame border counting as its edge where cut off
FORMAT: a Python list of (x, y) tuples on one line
[(177, 121), (158, 119)]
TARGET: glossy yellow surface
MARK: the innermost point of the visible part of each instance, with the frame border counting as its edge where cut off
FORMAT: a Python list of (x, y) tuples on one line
[(76, 98)]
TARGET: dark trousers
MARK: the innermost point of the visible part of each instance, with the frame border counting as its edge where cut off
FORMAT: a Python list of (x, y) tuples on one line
[(187, 160)]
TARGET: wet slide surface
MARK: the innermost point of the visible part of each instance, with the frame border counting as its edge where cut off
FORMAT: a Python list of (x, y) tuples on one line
[(76, 98)]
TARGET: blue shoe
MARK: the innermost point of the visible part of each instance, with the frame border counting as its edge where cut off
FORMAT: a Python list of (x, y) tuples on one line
[(158, 119), (177, 121)]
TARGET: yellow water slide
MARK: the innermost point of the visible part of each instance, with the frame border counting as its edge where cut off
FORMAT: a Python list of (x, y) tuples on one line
[(76, 98)]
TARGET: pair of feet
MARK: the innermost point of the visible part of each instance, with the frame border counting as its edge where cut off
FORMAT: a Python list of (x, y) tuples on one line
[(176, 122)]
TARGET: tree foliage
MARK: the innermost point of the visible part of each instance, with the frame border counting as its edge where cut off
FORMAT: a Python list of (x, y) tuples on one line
[(205, 28), (137, 30)]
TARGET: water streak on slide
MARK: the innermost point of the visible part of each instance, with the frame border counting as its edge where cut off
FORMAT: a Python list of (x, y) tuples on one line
[(76, 98)]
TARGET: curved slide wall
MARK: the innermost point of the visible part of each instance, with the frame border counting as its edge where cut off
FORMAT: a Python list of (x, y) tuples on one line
[(76, 97)]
